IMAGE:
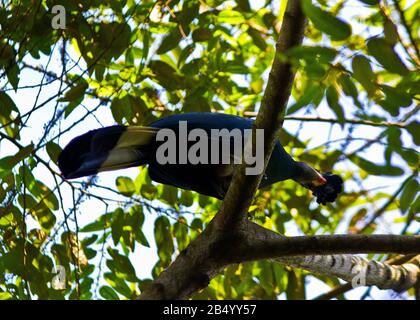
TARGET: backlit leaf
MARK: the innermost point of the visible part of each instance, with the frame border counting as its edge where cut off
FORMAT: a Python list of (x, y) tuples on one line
[(326, 22), (125, 186), (386, 56)]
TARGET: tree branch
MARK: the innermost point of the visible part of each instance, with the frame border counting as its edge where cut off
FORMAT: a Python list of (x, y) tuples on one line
[(330, 120), (331, 244), (193, 268), (341, 289), (404, 22), (269, 118), (357, 270)]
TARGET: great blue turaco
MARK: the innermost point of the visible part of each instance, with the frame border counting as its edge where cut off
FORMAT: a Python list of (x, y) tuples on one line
[(118, 147)]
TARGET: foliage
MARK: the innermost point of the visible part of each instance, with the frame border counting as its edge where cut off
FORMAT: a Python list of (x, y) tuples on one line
[(135, 61)]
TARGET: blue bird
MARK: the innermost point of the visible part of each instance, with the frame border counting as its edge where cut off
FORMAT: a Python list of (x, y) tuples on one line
[(119, 147)]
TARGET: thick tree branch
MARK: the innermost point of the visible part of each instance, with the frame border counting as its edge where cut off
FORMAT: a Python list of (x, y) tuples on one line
[(362, 272), (269, 118), (341, 289), (357, 270), (193, 268), (331, 244)]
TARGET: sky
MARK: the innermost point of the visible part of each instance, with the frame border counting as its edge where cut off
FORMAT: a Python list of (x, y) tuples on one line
[(144, 258)]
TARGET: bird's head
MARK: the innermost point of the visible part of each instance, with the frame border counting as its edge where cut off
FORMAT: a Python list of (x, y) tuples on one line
[(324, 186), (309, 177)]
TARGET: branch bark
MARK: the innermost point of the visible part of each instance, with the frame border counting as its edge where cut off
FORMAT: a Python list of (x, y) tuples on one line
[(269, 118), (313, 253), (341, 289), (331, 120)]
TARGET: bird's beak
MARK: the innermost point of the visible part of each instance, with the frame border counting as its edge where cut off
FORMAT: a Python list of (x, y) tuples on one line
[(319, 182)]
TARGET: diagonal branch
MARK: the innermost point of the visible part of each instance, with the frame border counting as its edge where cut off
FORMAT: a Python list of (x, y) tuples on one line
[(269, 118), (408, 29), (193, 268)]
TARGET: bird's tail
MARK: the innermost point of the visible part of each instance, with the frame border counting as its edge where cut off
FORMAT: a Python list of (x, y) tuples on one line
[(105, 149)]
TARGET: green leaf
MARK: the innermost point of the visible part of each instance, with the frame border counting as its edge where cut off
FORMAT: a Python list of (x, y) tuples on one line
[(408, 194), (332, 100), (43, 193), (108, 293), (362, 72), (391, 32), (6, 105), (164, 241), (243, 5), (125, 186), (188, 13), (121, 265), (311, 94), (185, 53), (7, 53), (326, 22), (119, 285), (20, 155), (394, 99), (53, 150), (180, 230), (102, 223), (414, 129), (169, 194), (230, 17), (370, 2), (117, 225), (201, 34), (72, 105), (169, 42), (5, 296), (382, 51), (12, 73), (75, 92), (313, 54), (295, 285), (257, 38), (38, 210), (166, 75), (415, 207), (187, 198), (349, 88), (119, 108), (397, 97), (358, 216), (394, 137)]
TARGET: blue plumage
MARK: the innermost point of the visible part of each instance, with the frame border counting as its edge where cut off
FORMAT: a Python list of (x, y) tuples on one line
[(119, 147)]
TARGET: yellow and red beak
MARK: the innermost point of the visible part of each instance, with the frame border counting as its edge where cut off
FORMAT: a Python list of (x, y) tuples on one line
[(319, 182)]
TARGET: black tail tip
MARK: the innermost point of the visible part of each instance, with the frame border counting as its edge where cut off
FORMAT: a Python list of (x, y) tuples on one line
[(329, 191)]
